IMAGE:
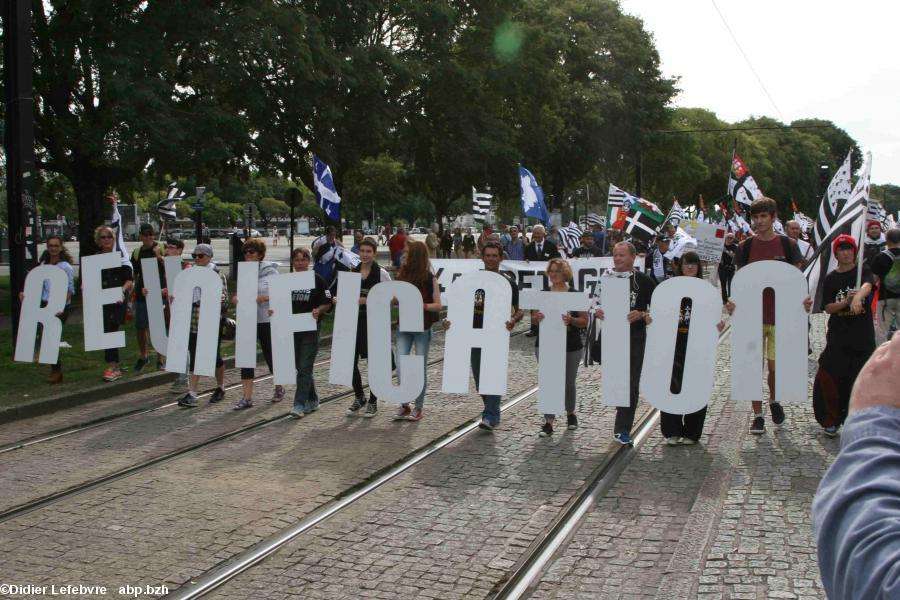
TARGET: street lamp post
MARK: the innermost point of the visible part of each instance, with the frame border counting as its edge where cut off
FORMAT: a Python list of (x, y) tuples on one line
[(294, 197)]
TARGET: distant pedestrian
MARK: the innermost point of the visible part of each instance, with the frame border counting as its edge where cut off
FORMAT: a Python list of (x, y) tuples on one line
[(657, 265), (113, 314), (358, 236), (468, 244), (433, 240), (416, 269), (886, 266), (560, 273), (588, 248), (458, 243), (397, 245), (515, 250), (446, 244), (726, 266), (255, 251), (148, 249)]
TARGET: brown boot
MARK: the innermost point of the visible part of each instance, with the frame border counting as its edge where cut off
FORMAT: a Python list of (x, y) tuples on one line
[(55, 377)]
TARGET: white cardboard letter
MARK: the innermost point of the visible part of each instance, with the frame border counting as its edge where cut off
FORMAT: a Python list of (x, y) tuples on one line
[(158, 336), (346, 320), (493, 338), (32, 314), (207, 326), (95, 298), (790, 332), (285, 323), (699, 360), (411, 366), (245, 315), (552, 362), (615, 300)]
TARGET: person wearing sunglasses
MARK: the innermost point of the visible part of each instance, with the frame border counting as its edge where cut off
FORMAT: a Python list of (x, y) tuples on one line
[(113, 314), (255, 251), (203, 255)]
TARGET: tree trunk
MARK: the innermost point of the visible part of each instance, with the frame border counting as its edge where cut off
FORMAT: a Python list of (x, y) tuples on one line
[(90, 187)]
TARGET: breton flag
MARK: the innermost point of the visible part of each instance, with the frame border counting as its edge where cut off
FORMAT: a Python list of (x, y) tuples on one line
[(876, 213), (851, 221), (166, 207), (326, 194), (675, 216), (741, 185), (644, 220), (806, 224), (481, 204), (833, 203), (115, 222), (594, 219), (532, 196), (618, 205), (570, 237)]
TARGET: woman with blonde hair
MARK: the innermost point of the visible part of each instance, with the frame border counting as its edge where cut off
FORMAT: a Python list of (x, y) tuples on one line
[(113, 314), (416, 269), (560, 273)]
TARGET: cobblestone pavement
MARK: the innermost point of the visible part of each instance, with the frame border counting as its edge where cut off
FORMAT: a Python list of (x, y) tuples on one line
[(172, 522), (450, 527), (728, 518)]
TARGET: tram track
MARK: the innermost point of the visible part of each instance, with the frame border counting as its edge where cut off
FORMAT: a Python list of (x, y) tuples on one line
[(94, 483), (522, 576)]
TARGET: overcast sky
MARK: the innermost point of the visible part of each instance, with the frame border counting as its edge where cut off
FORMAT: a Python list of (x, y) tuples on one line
[(826, 59)]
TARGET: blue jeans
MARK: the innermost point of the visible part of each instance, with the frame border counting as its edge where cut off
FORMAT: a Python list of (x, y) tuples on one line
[(491, 412), (405, 342), (306, 346)]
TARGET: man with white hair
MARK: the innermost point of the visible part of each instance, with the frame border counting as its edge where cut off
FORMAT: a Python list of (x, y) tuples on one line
[(540, 248), (793, 231)]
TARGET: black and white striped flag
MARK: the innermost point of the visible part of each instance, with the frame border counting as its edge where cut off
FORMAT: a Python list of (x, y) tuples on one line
[(676, 215), (594, 219), (481, 204), (570, 237), (166, 207), (876, 213), (833, 203), (851, 221)]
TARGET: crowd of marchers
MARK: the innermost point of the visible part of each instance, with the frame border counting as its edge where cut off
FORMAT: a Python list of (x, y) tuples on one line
[(856, 323)]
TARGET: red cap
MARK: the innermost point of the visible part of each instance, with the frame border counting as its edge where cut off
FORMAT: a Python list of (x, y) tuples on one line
[(842, 240), (872, 222)]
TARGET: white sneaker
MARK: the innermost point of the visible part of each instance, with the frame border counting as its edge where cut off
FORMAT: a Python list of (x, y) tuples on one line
[(673, 440), (688, 441)]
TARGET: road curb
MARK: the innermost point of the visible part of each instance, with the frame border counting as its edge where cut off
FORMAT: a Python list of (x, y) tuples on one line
[(102, 391)]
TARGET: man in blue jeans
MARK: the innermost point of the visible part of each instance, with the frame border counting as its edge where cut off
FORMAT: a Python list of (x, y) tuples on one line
[(492, 256)]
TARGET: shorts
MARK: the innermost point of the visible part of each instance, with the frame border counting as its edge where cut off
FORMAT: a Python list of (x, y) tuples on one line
[(141, 320), (769, 341)]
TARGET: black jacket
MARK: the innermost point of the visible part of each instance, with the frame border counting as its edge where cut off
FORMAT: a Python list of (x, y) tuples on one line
[(548, 251)]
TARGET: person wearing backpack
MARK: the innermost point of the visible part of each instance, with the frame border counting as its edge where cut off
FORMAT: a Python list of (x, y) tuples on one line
[(886, 265), (767, 245)]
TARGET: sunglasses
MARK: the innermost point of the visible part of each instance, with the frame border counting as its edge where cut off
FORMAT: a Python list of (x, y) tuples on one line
[(196, 256)]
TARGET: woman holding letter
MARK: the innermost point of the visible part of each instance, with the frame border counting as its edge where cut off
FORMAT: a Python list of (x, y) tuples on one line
[(417, 271), (372, 274), (560, 273), (683, 429), (113, 314), (255, 251)]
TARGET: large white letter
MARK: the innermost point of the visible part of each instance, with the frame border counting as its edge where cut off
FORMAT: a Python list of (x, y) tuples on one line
[(412, 366), (492, 338), (158, 337), (343, 336), (32, 314), (95, 298), (207, 326), (285, 323), (552, 363), (790, 331), (245, 315), (615, 300), (699, 360)]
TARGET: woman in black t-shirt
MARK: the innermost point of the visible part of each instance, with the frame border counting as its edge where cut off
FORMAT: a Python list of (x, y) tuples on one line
[(560, 273), (113, 314), (683, 429), (850, 339)]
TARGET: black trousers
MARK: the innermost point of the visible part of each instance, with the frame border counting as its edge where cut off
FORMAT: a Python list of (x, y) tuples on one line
[(264, 335), (625, 414), (192, 350), (677, 425), (725, 277)]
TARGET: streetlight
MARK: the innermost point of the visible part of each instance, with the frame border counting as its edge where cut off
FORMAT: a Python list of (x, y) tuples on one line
[(293, 199)]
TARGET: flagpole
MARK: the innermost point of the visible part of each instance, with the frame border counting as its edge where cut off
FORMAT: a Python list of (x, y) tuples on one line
[(862, 241)]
